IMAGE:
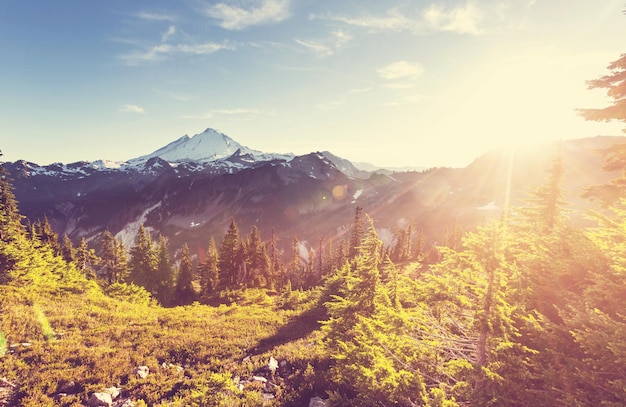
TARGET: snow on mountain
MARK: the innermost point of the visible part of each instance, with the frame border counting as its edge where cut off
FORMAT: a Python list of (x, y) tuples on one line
[(209, 145)]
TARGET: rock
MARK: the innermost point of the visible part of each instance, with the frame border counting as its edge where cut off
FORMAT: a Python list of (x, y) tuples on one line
[(272, 365), (317, 402), (113, 391), (259, 379), (125, 403), (267, 396), (142, 371), (100, 400), (70, 387)]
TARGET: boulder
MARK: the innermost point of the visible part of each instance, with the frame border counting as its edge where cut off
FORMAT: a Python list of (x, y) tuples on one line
[(317, 402), (70, 387), (100, 400), (113, 391), (272, 365), (142, 371)]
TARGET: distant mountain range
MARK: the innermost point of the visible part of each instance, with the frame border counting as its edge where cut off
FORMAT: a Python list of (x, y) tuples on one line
[(189, 189)]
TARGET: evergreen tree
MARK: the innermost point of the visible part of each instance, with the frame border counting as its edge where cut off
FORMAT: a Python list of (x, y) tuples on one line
[(276, 268), (372, 361), (547, 205), (11, 228), (142, 262), (44, 233), (109, 257), (86, 259), (258, 260), (184, 293), (615, 84), (229, 261), (357, 233), (208, 270), (67, 249), (164, 272), (295, 269)]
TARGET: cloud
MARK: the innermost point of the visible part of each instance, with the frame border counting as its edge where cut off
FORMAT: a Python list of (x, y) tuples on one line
[(235, 17), (328, 47), (132, 109), (401, 70), (170, 32), (318, 48), (461, 19), (155, 17), (164, 51)]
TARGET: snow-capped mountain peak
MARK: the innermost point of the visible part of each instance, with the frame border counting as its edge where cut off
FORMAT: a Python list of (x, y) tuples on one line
[(209, 145)]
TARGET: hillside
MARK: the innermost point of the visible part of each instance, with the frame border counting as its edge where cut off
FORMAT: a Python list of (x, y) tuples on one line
[(523, 309)]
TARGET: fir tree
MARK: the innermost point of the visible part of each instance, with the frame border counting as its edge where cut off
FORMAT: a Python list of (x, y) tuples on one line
[(229, 259), (164, 272), (184, 293), (86, 259), (259, 261), (208, 270), (142, 262), (67, 249), (357, 233), (11, 228)]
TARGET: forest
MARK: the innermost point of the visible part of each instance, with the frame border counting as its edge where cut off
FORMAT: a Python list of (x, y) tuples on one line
[(524, 310)]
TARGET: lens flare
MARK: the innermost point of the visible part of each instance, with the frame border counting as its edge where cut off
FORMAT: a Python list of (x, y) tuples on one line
[(339, 192), (3, 345), (47, 330)]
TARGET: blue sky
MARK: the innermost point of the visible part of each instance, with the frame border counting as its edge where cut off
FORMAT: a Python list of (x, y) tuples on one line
[(421, 83)]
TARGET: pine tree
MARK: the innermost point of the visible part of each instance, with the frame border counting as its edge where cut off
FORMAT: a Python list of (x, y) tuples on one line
[(615, 83), (546, 202), (276, 269), (42, 231), (11, 228), (208, 270), (109, 256), (295, 269), (164, 272), (357, 233), (184, 293), (67, 249), (86, 259), (372, 363), (258, 260), (142, 262), (229, 262)]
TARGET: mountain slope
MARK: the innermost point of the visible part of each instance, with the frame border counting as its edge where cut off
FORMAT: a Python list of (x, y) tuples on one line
[(308, 197)]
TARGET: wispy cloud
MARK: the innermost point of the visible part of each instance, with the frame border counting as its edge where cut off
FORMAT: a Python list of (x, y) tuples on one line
[(328, 47), (132, 109), (168, 34), (463, 19), (241, 113), (164, 51), (155, 16), (238, 17), (401, 70)]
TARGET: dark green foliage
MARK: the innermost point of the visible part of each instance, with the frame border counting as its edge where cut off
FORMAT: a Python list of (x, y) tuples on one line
[(230, 261), (615, 84), (208, 271), (184, 293), (142, 262)]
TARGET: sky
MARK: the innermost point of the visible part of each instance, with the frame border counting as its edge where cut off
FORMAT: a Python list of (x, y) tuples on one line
[(394, 83)]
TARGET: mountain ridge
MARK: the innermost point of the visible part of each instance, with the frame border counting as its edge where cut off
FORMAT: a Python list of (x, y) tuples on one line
[(311, 197)]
